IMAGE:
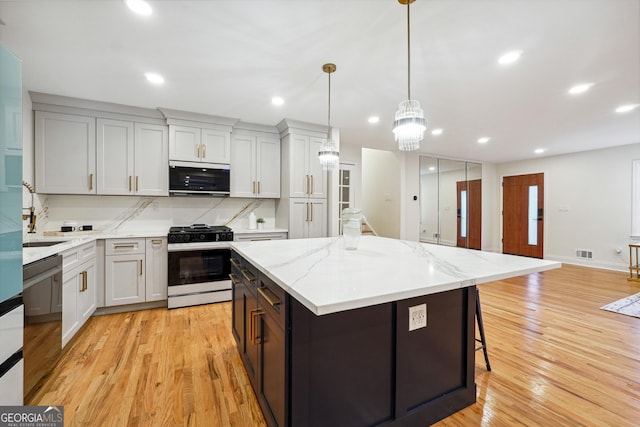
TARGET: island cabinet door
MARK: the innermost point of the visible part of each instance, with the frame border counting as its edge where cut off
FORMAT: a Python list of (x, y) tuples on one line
[(272, 371)]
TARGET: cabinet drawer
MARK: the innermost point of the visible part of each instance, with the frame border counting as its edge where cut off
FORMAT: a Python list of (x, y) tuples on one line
[(76, 256), (272, 299), (244, 272), (125, 246)]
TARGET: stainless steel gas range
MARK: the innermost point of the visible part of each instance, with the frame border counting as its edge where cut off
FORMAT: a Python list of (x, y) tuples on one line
[(199, 265)]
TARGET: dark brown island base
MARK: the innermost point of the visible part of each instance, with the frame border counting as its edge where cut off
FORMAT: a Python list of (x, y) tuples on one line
[(380, 336), (360, 367)]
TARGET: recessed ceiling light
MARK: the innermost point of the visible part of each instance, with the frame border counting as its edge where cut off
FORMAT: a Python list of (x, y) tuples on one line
[(154, 78), (540, 150), (276, 100), (483, 140), (140, 7), (626, 108), (373, 119), (510, 57), (436, 132), (581, 88)]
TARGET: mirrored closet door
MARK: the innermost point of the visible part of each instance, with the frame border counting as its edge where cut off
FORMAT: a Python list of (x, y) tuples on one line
[(450, 202)]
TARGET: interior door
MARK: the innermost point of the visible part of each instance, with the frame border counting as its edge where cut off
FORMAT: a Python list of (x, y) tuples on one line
[(523, 215), (469, 212)]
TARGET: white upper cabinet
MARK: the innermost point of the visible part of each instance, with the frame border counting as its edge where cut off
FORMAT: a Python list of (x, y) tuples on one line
[(151, 159), (194, 144), (255, 164), (132, 158), (65, 153), (307, 177)]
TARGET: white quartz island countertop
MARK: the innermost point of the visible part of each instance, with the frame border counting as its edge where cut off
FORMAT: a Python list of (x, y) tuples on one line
[(326, 278)]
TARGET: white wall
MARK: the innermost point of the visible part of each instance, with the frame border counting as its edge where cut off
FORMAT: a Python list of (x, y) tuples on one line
[(381, 192), (587, 204)]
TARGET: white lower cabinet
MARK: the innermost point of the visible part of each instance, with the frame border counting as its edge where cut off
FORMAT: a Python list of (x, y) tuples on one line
[(156, 273), (135, 270), (307, 218), (79, 293)]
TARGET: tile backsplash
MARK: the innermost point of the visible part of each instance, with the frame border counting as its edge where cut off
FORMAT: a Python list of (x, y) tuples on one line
[(140, 214)]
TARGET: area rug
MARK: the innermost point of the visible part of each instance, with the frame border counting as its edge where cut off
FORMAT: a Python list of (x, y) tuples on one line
[(629, 306)]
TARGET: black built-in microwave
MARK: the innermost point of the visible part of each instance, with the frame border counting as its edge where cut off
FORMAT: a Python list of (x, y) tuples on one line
[(198, 178)]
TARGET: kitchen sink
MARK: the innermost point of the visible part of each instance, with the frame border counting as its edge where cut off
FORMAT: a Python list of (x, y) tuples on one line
[(41, 244)]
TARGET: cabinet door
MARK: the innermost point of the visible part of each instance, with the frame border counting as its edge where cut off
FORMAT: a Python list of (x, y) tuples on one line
[(251, 323), (124, 279), (115, 157), (268, 167), (237, 308), (216, 146), (70, 320), (151, 164), (272, 370), (298, 218), (299, 166), (184, 143), (87, 292), (317, 219), (318, 175), (65, 153), (156, 269), (243, 166)]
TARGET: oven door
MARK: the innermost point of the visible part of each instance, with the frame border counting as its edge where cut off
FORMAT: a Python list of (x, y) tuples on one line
[(199, 266)]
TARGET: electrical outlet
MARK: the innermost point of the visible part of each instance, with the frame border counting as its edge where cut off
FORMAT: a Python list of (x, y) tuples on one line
[(417, 317)]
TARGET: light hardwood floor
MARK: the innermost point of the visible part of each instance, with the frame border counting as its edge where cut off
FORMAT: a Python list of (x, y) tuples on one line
[(556, 358)]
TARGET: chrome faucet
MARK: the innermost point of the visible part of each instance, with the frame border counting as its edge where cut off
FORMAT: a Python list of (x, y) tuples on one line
[(31, 216)]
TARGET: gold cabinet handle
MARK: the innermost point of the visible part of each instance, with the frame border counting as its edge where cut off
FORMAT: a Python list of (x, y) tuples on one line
[(198, 150), (259, 189), (204, 151), (137, 182), (234, 279), (83, 285), (130, 246), (129, 182), (235, 263), (311, 210), (311, 186), (156, 241), (271, 299), (253, 329), (141, 267), (90, 181), (247, 276), (253, 187), (306, 185)]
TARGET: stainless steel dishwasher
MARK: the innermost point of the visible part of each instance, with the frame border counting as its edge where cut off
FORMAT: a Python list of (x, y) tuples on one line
[(42, 346)]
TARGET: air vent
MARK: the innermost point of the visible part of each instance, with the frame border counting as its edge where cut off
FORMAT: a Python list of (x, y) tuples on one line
[(582, 253)]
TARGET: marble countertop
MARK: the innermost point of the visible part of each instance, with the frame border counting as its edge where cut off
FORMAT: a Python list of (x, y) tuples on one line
[(326, 278)]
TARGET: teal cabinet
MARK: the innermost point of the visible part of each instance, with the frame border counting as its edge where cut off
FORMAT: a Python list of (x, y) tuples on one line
[(10, 174)]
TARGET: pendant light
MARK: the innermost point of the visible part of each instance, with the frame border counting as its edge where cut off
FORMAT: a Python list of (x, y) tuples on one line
[(409, 125), (328, 154)]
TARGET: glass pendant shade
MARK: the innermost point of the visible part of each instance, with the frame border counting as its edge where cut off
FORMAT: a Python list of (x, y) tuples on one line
[(328, 154), (409, 125)]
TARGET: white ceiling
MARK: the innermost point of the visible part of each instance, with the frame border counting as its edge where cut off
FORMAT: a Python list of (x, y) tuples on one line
[(229, 57)]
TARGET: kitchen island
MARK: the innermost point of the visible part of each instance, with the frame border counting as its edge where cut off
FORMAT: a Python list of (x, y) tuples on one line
[(383, 335)]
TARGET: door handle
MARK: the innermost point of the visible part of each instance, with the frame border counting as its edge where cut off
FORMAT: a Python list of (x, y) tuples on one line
[(90, 181), (311, 187), (234, 279), (235, 263), (140, 267), (253, 188), (129, 182), (311, 210), (255, 317), (156, 241), (306, 184), (204, 151), (137, 182), (83, 286), (259, 188), (198, 150)]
